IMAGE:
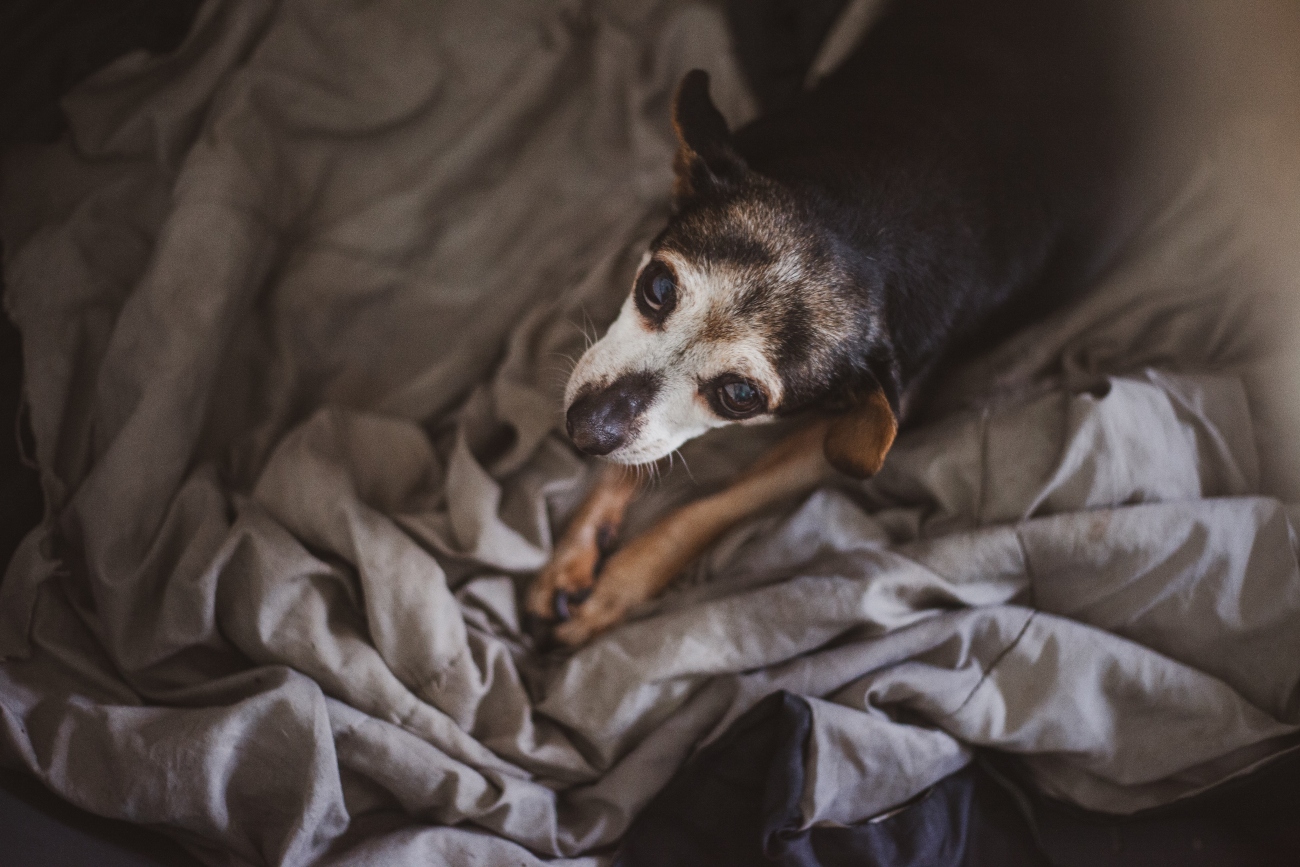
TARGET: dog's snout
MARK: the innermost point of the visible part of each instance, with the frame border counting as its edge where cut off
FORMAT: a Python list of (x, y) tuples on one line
[(602, 420)]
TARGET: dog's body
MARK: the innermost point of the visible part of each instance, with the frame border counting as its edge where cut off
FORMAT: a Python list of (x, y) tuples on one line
[(946, 184)]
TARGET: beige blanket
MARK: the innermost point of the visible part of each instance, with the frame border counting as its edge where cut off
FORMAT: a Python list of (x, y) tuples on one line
[(297, 305)]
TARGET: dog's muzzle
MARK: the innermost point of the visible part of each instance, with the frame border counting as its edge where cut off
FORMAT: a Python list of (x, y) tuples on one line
[(602, 420)]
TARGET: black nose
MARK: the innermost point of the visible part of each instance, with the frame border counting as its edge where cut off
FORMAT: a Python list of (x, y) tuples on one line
[(601, 420)]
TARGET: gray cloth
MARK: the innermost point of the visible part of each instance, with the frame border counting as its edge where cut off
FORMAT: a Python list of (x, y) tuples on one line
[(297, 304)]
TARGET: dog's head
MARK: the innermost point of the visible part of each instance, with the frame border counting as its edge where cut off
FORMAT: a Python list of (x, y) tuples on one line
[(747, 306)]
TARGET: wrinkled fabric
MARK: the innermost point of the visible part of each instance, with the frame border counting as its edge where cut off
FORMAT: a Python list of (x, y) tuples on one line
[(297, 304)]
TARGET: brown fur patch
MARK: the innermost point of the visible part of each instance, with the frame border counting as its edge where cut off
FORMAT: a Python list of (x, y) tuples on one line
[(721, 325)]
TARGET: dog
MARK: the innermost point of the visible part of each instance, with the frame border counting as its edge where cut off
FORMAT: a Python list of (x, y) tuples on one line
[(946, 185)]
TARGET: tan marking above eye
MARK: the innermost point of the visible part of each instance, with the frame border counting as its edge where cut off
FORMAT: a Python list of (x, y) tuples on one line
[(720, 327)]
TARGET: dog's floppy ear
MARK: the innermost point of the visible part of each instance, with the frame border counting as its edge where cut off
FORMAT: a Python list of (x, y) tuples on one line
[(858, 440), (705, 157)]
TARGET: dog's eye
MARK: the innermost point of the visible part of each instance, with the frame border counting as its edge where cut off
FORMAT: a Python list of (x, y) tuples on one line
[(740, 398), (656, 291), (659, 292)]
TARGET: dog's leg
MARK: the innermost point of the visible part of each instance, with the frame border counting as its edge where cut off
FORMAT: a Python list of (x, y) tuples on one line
[(568, 577), (648, 563)]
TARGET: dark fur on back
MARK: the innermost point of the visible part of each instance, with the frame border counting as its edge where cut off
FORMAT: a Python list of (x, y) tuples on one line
[(945, 185)]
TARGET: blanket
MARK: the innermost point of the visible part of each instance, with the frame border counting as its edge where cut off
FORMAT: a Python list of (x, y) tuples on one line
[(297, 303)]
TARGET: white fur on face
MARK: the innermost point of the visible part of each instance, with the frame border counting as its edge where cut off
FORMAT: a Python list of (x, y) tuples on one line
[(681, 358)]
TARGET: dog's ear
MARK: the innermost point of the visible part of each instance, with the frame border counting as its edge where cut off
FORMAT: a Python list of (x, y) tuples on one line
[(705, 157), (858, 440)]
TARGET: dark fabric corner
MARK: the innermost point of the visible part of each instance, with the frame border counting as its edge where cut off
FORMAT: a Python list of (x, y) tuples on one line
[(718, 810), (965, 820), (1253, 821), (737, 803)]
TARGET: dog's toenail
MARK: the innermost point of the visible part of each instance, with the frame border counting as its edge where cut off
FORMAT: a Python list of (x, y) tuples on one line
[(606, 536), (565, 602)]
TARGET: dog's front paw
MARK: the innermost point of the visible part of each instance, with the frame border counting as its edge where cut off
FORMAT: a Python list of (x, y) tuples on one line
[(567, 580), (591, 618), (632, 576)]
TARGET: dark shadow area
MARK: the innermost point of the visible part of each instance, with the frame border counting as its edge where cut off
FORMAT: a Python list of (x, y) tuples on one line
[(39, 829), (48, 46)]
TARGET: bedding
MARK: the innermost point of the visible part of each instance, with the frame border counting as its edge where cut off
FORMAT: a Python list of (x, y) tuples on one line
[(297, 304)]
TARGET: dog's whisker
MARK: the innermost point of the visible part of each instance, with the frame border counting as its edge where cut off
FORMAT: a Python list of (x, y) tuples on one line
[(564, 356), (588, 328), (685, 465)]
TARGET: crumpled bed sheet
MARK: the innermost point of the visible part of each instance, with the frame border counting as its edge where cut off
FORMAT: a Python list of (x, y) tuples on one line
[(298, 302)]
